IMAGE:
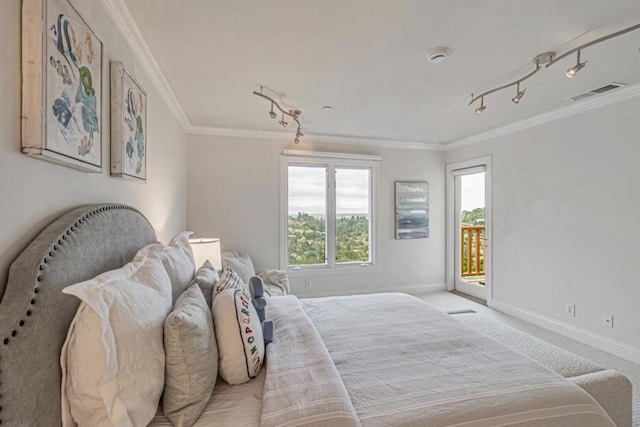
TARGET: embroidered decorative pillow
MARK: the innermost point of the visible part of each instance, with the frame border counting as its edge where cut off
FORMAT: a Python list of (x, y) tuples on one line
[(241, 265), (192, 358), (239, 336), (229, 280)]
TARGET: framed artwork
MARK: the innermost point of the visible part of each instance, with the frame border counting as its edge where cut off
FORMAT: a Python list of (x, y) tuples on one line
[(412, 210), (61, 86), (128, 126)]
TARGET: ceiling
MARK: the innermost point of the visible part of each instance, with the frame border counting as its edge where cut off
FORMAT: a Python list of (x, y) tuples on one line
[(367, 59)]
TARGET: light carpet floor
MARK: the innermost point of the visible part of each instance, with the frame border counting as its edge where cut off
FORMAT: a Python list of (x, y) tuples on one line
[(454, 303)]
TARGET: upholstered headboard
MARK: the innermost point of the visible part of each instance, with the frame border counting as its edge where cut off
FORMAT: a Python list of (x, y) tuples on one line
[(35, 315)]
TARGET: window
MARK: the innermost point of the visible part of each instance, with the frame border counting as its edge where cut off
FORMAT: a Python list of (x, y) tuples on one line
[(328, 210)]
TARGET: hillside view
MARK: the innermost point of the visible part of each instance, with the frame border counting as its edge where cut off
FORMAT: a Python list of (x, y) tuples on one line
[(474, 217), (307, 239)]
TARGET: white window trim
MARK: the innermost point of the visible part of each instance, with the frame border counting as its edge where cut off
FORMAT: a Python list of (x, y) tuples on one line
[(293, 157)]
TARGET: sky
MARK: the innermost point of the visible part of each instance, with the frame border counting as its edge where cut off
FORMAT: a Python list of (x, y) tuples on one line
[(307, 190), (472, 191)]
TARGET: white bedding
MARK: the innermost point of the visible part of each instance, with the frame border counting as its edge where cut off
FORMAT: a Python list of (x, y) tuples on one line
[(406, 363), (238, 405), (399, 362)]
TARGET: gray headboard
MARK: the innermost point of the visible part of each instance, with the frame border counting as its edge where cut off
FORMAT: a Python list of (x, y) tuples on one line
[(35, 315)]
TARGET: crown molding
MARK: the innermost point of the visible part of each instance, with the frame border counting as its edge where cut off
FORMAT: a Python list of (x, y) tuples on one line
[(571, 110), (315, 138), (119, 13)]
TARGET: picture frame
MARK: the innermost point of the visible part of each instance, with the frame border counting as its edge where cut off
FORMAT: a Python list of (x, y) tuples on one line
[(412, 209), (61, 86), (128, 126)]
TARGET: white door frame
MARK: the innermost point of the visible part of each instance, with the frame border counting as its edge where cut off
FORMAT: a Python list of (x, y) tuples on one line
[(451, 232)]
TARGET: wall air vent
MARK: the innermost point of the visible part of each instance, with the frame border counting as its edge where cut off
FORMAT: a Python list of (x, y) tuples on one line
[(597, 91)]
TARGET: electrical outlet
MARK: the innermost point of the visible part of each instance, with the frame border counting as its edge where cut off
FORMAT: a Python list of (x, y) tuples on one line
[(570, 309), (607, 320), (307, 283)]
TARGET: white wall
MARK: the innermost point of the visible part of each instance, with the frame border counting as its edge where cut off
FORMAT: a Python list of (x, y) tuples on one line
[(33, 192), (234, 194), (569, 190)]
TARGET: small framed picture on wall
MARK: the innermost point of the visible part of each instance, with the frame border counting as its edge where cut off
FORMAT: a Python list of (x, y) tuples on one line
[(412, 210), (128, 126)]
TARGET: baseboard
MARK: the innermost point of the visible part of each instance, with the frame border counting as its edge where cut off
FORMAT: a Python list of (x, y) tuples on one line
[(582, 335), (412, 289)]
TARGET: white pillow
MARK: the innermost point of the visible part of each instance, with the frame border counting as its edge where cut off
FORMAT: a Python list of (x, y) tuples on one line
[(177, 258), (241, 265), (113, 359), (192, 358), (239, 336), (206, 277)]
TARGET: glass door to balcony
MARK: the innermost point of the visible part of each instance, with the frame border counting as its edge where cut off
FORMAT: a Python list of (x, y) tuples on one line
[(470, 216)]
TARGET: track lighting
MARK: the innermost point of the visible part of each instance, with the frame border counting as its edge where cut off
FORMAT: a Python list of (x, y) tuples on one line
[(481, 108), (548, 59), (519, 94), (294, 113), (542, 58), (571, 72)]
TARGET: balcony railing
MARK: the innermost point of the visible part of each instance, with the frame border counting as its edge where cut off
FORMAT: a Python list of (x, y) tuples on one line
[(472, 250)]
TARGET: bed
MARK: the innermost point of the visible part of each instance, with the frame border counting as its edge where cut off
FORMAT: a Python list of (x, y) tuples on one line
[(378, 360)]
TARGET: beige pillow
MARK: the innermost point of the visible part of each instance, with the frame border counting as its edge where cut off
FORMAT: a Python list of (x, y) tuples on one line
[(239, 336), (177, 258), (206, 277), (276, 282), (192, 358), (241, 265), (113, 358)]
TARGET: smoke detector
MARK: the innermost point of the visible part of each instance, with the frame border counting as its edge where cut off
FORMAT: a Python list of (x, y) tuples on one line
[(437, 55)]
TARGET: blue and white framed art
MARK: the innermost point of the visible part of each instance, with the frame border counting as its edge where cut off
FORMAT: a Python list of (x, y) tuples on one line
[(128, 126), (61, 86), (412, 210)]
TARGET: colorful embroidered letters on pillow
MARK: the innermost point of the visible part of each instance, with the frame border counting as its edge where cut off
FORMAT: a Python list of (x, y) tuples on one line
[(229, 280), (239, 336), (250, 337)]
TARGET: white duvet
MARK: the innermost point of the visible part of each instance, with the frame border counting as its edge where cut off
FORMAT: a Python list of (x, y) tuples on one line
[(406, 363), (393, 360)]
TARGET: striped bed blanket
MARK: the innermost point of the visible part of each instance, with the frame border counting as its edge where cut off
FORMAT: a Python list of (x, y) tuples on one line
[(393, 360)]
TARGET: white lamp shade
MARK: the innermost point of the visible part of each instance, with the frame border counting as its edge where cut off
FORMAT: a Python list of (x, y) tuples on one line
[(207, 249)]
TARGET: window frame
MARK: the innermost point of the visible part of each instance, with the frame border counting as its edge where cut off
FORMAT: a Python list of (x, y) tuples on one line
[(331, 161)]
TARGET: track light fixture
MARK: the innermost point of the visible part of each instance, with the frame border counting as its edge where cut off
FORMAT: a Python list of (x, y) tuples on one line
[(548, 59), (571, 72), (481, 108), (538, 60), (519, 94), (283, 122), (293, 113)]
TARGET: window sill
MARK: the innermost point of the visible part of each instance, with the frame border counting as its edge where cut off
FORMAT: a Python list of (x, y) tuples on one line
[(328, 271)]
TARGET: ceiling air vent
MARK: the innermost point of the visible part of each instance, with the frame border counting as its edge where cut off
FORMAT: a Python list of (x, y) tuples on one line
[(597, 91)]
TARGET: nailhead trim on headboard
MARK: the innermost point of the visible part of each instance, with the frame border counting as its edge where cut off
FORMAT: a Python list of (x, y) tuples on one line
[(42, 269)]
